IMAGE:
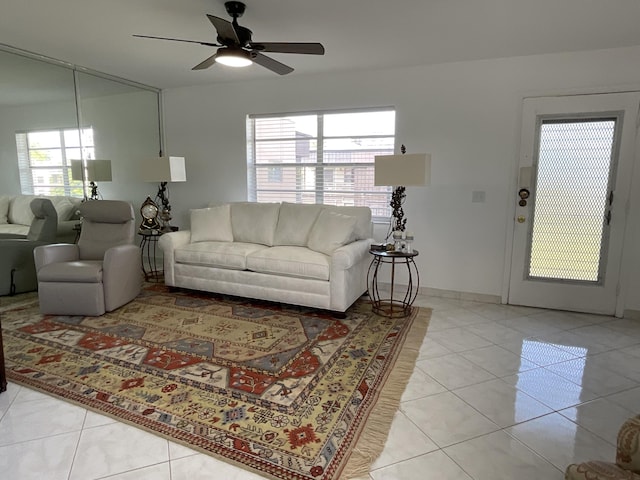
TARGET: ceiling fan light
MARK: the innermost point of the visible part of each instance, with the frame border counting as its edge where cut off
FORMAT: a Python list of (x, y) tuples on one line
[(233, 57)]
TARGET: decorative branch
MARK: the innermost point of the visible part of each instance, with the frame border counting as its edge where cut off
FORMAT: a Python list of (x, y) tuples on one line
[(397, 200)]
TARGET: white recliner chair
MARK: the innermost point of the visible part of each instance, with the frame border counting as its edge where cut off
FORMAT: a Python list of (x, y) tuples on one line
[(100, 273)]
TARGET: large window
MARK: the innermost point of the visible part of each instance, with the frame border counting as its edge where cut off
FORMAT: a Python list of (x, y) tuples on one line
[(320, 157), (44, 160)]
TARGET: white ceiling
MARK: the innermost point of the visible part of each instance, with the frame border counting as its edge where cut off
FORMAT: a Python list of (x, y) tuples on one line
[(357, 34)]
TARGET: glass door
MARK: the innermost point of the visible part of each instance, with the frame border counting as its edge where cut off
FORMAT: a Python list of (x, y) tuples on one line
[(576, 157)]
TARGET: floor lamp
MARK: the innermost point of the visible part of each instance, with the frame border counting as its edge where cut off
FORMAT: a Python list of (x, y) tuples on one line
[(94, 171), (164, 170), (400, 171)]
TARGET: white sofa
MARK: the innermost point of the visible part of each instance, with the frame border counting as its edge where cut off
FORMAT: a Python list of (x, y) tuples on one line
[(310, 255), (16, 215)]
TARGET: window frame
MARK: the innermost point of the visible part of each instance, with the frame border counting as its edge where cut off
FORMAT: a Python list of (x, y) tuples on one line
[(27, 170), (321, 165)]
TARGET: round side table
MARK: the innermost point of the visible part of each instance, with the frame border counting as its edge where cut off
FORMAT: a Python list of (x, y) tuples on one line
[(395, 305), (148, 255)]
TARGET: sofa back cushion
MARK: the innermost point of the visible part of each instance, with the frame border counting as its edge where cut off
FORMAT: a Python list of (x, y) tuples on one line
[(295, 222), (106, 224), (5, 200), (211, 224), (254, 222), (66, 207), (330, 231)]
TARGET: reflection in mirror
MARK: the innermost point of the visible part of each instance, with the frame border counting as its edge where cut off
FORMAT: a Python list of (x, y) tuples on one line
[(52, 112), (37, 107), (123, 119)]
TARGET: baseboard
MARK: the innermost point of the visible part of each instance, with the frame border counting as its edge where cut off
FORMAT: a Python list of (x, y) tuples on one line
[(451, 294), (632, 314), (464, 296), (480, 297)]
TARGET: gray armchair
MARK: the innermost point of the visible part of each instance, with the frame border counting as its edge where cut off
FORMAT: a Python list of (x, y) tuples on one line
[(17, 268), (101, 272)]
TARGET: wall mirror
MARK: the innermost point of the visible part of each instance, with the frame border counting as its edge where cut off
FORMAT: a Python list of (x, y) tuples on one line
[(63, 112)]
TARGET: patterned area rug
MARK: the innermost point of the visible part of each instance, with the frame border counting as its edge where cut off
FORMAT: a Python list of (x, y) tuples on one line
[(286, 392)]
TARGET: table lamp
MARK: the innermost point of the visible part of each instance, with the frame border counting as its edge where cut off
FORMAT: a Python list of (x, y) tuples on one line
[(164, 170), (94, 171), (399, 171)]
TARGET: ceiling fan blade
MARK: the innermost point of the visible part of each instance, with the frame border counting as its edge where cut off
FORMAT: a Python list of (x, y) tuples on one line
[(224, 28), (179, 40), (207, 63), (288, 47), (271, 64)]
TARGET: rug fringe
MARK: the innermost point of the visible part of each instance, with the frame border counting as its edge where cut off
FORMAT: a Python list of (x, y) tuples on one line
[(376, 429)]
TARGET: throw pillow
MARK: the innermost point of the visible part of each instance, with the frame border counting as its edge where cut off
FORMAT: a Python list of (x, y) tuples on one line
[(363, 219), (4, 208), (294, 223), (331, 230), (211, 224)]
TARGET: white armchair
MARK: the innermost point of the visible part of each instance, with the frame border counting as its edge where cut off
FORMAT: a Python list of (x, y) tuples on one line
[(101, 272)]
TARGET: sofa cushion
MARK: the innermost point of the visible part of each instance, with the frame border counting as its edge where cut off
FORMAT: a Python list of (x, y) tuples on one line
[(5, 200), (13, 229), (77, 272), (295, 222), (363, 219), (290, 261), (254, 222), (20, 209), (231, 255), (331, 230), (211, 224)]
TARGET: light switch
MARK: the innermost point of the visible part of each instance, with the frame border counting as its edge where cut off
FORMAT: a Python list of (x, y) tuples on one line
[(478, 196)]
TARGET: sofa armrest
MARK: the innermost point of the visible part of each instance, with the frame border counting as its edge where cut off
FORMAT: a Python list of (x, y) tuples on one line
[(348, 277), (122, 275), (350, 254), (168, 243), (628, 451), (57, 252)]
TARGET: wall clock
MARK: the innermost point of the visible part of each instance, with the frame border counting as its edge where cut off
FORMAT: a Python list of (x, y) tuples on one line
[(149, 212)]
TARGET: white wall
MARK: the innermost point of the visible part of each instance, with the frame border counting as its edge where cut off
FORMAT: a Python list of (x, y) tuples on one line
[(467, 115)]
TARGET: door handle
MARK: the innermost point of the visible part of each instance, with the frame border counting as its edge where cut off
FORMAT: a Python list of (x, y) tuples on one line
[(607, 217)]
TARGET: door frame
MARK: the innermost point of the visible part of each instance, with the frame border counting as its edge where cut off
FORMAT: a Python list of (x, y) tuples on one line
[(512, 197)]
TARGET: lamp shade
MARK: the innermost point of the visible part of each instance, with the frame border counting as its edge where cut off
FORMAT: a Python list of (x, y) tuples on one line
[(164, 169), (96, 170), (410, 169)]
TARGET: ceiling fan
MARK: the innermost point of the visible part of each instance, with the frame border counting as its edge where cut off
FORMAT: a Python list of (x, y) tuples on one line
[(238, 50)]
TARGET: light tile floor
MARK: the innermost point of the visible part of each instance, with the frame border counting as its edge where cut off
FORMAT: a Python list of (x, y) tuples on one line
[(498, 392)]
